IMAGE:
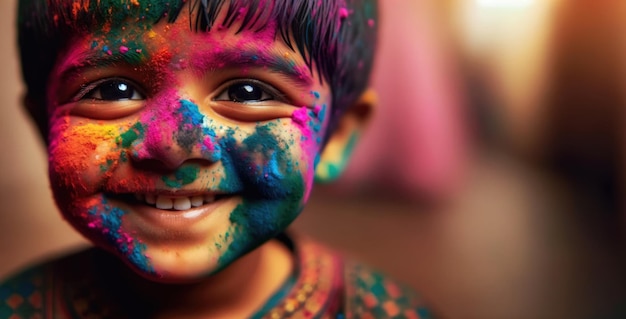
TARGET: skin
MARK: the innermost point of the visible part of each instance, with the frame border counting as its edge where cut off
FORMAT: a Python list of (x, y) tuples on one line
[(179, 134), (159, 110)]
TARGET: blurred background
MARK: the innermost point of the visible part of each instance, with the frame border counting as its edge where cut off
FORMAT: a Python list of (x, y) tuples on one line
[(490, 179)]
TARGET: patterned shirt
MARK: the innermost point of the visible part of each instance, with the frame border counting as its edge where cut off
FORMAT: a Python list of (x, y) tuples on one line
[(323, 285)]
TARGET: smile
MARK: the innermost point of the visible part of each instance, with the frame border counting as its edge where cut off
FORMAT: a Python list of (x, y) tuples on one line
[(184, 216), (180, 203), (171, 202)]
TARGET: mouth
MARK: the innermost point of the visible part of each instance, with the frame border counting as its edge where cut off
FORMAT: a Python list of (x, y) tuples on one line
[(175, 216), (172, 202)]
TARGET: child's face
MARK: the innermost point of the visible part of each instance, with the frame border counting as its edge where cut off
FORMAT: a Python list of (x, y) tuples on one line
[(178, 150)]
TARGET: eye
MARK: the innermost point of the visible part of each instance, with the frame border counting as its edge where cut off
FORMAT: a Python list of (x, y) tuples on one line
[(249, 91), (112, 90)]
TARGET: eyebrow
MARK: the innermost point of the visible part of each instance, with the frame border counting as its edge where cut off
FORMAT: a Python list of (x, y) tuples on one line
[(204, 62), (275, 62), (91, 60)]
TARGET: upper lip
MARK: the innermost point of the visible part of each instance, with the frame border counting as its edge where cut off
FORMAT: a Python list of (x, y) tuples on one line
[(173, 193)]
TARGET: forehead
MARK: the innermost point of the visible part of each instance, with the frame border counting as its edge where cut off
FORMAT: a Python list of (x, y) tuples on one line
[(309, 27)]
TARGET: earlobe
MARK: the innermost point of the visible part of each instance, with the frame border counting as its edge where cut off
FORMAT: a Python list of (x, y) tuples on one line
[(343, 139)]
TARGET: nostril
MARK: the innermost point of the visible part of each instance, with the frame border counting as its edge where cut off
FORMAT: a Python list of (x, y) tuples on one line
[(155, 165), (162, 167)]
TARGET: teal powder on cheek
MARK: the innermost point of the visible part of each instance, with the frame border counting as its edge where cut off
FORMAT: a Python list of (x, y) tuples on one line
[(232, 182), (183, 176), (127, 138), (273, 191), (257, 221), (335, 170), (266, 179), (108, 222)]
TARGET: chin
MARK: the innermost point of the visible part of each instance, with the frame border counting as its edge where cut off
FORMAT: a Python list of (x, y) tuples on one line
[(170, 268)]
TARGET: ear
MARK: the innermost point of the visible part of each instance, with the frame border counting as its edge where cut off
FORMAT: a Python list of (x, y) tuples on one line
[(341, 142), (37, 112)]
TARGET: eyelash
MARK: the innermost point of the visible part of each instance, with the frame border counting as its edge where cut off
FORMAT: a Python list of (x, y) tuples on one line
[(273, 92), (90, 88)]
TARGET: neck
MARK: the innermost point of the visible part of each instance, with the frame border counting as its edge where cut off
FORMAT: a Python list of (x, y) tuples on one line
[(235, 292)]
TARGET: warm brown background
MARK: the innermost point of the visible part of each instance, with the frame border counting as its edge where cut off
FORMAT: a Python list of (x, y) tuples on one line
[(515, 240)]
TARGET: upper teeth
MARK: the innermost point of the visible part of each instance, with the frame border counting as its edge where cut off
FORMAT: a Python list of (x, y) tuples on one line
[(176, 203)]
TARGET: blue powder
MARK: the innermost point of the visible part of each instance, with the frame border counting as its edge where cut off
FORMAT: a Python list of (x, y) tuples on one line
[(322, 113), (188, 137), (231, 182), (190, 112), (111, 219), (271, 197), (183, 176), (214, 155)]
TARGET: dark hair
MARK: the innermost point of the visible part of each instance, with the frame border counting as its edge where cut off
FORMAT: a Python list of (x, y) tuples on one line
[(338, 38)]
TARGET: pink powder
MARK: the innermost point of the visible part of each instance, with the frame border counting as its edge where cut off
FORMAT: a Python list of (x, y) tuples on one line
[(317, 109), (299, 116), (160, 124), (208, 143)]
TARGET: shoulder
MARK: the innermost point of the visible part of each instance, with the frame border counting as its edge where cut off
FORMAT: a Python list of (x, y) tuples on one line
[(35, 292), (364, 291), (372, 294)]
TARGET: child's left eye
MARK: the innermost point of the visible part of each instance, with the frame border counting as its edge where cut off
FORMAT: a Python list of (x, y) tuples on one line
[(113, 90), (248, 91)]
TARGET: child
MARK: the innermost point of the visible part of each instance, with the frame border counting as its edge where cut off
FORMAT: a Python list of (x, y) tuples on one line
[(183, 138)]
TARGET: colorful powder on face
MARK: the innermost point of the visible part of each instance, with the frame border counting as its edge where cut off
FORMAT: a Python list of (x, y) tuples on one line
[(71, 153), (334, 170), (183, 176), (274, 190), (262, 166), (188, 130), (232, 182), (107, 222), (126, 139), (299, 116), (210, 149), (321, 113)]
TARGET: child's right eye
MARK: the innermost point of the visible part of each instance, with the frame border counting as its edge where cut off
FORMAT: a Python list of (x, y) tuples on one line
[(106, 99), (112, 90)]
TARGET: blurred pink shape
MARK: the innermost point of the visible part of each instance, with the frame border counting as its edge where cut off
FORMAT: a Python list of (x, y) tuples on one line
[(417, 143)]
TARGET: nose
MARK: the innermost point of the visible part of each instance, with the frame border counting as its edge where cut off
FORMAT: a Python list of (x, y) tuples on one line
[(175, 135)]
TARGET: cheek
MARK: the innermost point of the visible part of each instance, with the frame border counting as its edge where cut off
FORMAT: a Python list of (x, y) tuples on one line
[(311, 125), (270, 160), (82, 155)]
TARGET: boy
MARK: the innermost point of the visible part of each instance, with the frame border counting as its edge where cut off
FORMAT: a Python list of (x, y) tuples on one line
[(183, 138)]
